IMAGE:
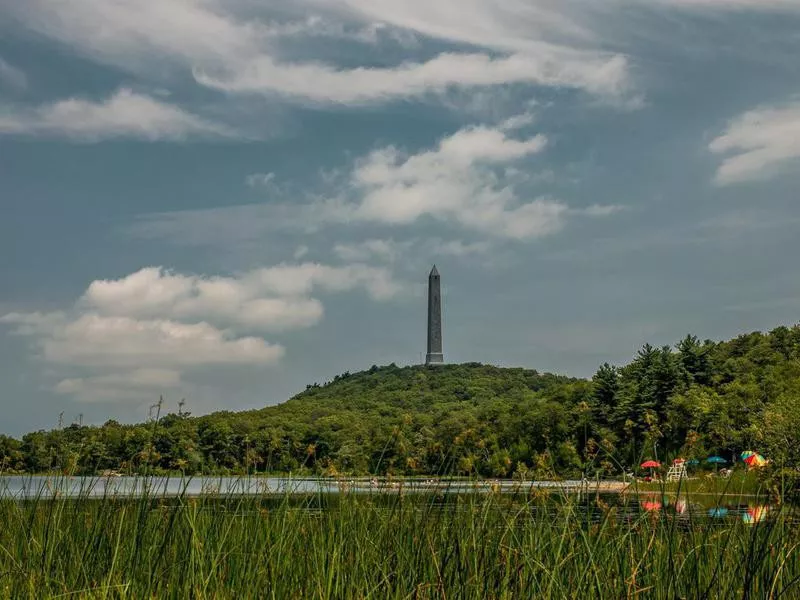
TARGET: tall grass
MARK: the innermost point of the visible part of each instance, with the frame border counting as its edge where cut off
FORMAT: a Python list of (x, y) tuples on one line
[(384, 546)]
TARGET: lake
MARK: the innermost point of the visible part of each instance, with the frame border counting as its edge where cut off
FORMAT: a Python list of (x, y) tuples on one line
[(590, 496), (64, 486)]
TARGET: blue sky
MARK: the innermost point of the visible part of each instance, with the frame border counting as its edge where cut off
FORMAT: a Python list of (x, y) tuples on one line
[(225, 201)]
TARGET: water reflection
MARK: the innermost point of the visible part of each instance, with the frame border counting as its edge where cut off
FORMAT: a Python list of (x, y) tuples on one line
[(65, 486), (651, 505), (755, 514), (723, 508), (551, 496)]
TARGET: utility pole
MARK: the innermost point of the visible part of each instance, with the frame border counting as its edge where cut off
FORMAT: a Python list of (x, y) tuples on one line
[(61, 420), (80, 420)]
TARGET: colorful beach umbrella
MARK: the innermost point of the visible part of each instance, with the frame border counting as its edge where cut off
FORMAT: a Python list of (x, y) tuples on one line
[(650, 464), (718, 512), (746, 454), (716, 460), (755, 460)]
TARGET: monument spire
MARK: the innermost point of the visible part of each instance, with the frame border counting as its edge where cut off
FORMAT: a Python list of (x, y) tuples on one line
[(434, 355)]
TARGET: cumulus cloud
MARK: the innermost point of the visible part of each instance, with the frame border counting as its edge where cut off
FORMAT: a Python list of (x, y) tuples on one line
[(295, 280), (123, 114), (469, 179), (758, 143), (138, 334), (455, 182), (94, 340), (153, 292), (267, 299), (232, 48)]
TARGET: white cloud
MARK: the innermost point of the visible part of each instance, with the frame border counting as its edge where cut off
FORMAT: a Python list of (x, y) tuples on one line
[(234, 48), (470, 179), (94, 340), (267, 299), (141, 332), (316, 26), (758, 143), (455, 182), (517, 122), (12, 76), (322, 83), (123, 114), (510, 25), (296, 280), (133, 33), (129, 359)]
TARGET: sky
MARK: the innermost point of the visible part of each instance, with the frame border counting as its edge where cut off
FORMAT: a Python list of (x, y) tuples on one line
[(225, 201)]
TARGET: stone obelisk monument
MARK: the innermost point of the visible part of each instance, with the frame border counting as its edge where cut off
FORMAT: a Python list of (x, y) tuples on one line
[(434, 355)]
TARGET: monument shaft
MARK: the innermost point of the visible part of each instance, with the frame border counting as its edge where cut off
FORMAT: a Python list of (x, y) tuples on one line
[(434, 355)]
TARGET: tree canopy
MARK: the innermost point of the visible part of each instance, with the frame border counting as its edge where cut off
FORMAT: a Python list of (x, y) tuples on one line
[(693, 399)]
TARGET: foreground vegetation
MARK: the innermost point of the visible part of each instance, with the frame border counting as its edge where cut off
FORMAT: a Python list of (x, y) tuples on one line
[(386, 546), (694, 400)]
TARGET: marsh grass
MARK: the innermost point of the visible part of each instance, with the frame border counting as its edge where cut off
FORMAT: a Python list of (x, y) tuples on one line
[(387, 545)]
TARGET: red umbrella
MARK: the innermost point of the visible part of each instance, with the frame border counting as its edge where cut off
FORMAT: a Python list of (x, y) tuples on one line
[(650, 464)]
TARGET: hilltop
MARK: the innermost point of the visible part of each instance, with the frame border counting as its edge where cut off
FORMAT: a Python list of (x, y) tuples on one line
[(694, 399)]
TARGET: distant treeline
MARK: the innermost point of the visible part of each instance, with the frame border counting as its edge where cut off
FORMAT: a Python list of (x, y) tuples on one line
[(694, 400)]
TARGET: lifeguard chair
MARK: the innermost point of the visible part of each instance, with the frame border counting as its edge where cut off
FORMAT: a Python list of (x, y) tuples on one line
[(678, 470)]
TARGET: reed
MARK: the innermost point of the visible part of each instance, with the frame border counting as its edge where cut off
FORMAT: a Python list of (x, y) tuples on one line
[(388, 545)]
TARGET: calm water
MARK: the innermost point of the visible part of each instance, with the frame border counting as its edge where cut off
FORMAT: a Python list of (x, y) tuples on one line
[(627, 507), (49, 486)]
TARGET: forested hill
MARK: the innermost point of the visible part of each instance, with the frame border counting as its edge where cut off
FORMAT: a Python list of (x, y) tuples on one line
[(693, 399)]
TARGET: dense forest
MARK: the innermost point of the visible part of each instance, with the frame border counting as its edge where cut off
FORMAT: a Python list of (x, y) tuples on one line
[(696, 399)]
